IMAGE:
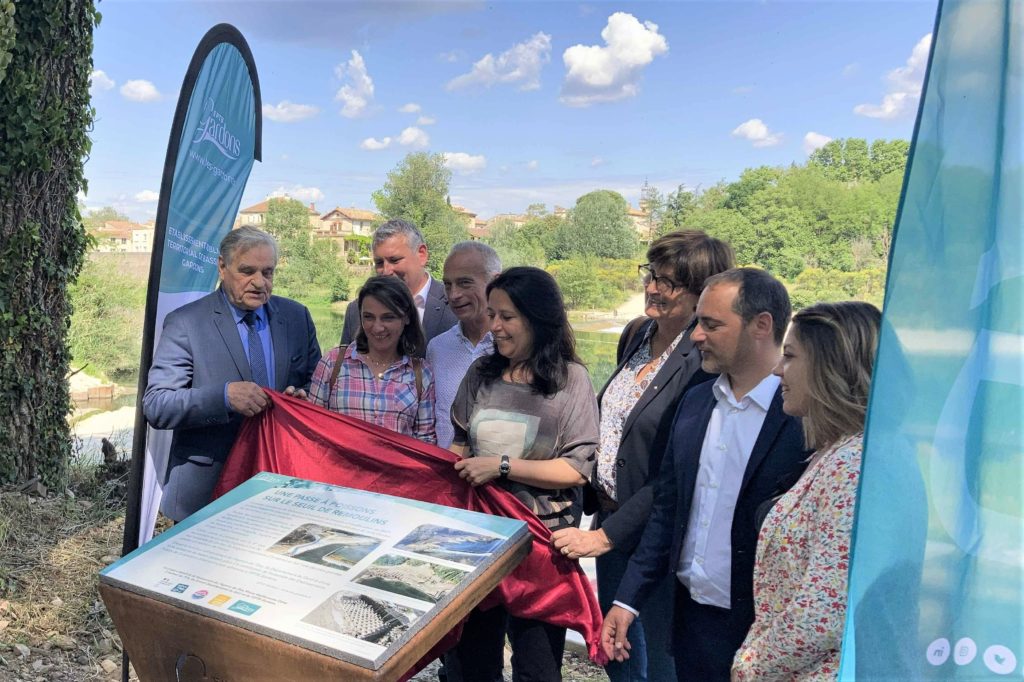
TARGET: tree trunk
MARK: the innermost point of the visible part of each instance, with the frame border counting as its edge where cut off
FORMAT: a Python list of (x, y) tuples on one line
[(44, 119)]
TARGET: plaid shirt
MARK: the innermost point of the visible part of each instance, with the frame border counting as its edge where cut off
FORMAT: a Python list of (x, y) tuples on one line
[(390, 402)]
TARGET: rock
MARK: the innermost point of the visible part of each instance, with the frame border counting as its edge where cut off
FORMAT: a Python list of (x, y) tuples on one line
[(64, 642), (39, 665), (109, 558), (5, 606), (57, 601), (22, 650), (108, 665), (104, 646), (4, 624)]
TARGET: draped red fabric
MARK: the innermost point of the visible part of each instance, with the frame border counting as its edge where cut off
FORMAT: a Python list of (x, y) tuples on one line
[(296, 438)]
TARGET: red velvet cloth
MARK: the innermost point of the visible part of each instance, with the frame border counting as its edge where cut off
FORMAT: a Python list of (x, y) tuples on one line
[(296, 438)]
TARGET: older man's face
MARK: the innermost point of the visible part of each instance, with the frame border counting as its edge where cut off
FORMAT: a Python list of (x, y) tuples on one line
[(465, 284), (249, 278), (394, 257)]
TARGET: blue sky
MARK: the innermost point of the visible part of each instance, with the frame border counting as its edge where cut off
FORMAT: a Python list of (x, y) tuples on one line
[(531, 101)]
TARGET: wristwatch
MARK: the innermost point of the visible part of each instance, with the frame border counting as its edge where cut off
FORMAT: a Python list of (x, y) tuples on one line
[(504, 468)]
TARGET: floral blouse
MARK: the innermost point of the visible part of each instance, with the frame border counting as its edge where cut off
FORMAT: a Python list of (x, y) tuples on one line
[(619, 399), (803, 555)]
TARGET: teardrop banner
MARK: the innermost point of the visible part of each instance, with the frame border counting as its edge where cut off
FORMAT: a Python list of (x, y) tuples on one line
[(215, 138), (937, 569)]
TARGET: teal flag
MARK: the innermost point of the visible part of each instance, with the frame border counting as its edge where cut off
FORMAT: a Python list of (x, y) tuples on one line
[(937, 570)]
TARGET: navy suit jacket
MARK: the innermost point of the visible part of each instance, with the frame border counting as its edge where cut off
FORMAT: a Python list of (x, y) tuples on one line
[(200, 351), (437, 317), (775, 464)]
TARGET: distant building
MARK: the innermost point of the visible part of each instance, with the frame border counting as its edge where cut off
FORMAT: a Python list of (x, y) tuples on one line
[(347, 226), (256, 215), (123, 236), (641, 223)]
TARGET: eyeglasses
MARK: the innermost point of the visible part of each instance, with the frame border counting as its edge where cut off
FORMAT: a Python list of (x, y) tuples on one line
[(665, 285)]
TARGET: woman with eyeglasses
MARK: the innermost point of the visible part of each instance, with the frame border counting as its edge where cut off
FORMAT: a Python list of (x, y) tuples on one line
[(803, 550), (657, 362)]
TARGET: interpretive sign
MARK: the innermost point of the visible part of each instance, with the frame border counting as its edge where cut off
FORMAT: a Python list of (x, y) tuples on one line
[(350, 574)]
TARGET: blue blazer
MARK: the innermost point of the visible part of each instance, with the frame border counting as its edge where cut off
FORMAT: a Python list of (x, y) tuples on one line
[(775, 464), (200, 351)]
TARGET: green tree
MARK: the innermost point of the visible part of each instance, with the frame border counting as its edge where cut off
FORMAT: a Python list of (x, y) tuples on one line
[(679, 206), (652, 202), (97, 217), (417, 191), (304, 261), (597, 226), (516, 245), (45, 117)]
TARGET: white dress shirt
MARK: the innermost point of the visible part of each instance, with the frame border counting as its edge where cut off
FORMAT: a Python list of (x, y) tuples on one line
[(420, 297), (705, 563), (449, 355)]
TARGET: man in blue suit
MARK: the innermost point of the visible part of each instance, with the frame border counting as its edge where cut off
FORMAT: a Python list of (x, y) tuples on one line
[(732, 450), (215, 357)]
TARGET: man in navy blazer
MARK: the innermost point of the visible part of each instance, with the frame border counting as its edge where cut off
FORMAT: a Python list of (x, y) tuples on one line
[(399, 250), (731, 451), (214, 358)]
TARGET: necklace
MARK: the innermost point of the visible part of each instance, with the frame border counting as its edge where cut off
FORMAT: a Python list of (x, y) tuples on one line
[(378, 365)]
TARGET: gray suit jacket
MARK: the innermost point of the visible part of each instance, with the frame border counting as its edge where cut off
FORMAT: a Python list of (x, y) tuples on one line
[(199, 352), (437, 317)]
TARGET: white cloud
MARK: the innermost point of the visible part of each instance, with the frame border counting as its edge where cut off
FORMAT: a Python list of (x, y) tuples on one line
[(99, 80), (521, 64), (757, 132), (813, 140), (413, 137), (596, 161), (611, 72), (903, 85), (372, 144), (461, 162), (426, 121), (533, 165), (140, 91), (450, 57), (304, 194), (147, 196), (851, 69), (357, 93), (410, 108), (289, 112)]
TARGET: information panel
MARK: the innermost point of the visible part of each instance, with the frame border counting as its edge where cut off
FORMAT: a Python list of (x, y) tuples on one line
[(348, 573)]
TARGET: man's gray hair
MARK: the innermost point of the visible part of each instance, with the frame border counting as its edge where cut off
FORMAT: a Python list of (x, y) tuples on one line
[(492, 263), (396, 227), (243, 239)]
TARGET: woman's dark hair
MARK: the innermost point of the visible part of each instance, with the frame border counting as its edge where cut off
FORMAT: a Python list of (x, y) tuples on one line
[(395, 296), (538, 299), (691, 256)]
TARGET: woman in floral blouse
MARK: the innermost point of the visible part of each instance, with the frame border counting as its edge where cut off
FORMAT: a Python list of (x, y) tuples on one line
[(803, 550), (376, 379)]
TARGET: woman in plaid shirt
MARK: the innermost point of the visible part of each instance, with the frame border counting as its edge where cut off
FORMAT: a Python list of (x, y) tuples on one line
[(377, 379)]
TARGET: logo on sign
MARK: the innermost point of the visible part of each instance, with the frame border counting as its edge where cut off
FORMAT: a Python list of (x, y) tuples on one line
[(199, 594), (244, 608), (214, 130), (179, 588), (220, 599)]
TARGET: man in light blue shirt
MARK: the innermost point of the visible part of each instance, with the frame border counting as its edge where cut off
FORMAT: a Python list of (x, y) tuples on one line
[(470, 266)]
